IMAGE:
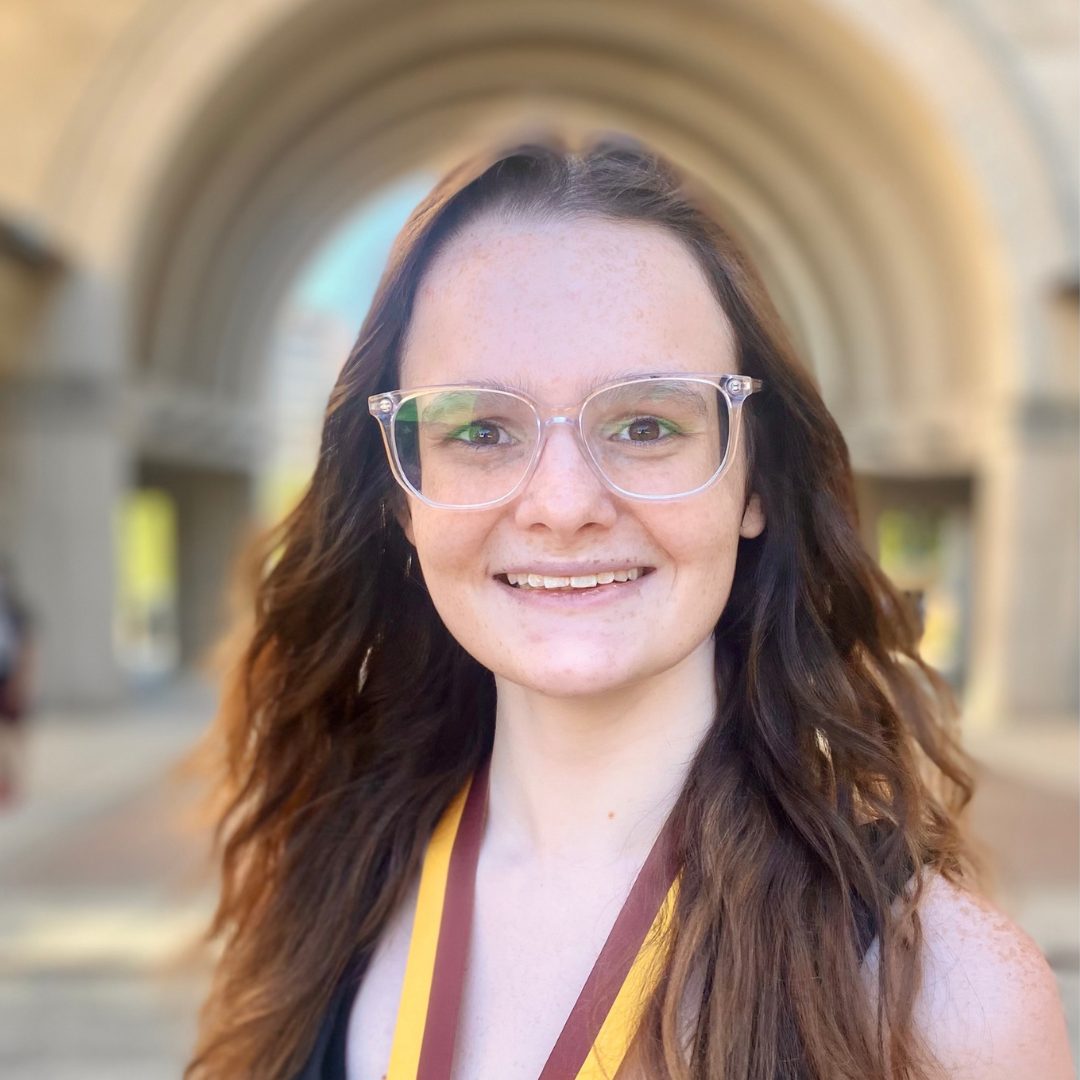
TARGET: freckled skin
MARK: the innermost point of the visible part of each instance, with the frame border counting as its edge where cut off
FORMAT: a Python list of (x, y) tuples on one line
[(988, 1007), (552, 309)]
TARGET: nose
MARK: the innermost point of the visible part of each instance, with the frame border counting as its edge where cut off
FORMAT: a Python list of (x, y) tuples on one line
[(563, 494)]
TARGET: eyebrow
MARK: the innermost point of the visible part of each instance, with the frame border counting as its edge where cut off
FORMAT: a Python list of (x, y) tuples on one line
[(449, 400), (527, 386), (662, 389)]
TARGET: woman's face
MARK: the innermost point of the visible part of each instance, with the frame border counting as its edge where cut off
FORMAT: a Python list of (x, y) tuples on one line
[(555, 309)]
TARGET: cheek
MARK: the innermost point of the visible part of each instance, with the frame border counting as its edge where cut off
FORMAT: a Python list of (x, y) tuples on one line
[(701, 540), (451, 550)]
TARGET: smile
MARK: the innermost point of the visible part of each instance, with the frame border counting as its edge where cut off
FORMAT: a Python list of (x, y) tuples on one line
[(583, 581)]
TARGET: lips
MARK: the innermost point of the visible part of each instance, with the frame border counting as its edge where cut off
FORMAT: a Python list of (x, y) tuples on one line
[(530, 580)]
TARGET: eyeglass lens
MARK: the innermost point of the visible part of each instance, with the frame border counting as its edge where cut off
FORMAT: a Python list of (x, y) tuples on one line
[(658, 437)]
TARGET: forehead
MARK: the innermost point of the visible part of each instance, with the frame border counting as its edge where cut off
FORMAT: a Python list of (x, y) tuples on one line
[(555, 308)]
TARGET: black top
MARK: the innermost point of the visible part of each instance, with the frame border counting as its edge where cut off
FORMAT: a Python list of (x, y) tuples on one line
[(327, 1059)]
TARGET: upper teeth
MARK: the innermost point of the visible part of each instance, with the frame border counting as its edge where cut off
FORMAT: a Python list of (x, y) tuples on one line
[(583, 581)]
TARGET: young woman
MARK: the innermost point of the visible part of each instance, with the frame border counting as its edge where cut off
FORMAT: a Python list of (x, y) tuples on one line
[(576, 733)]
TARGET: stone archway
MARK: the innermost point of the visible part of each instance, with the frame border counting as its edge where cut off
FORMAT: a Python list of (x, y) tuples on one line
[(847, 193), (884, 248)]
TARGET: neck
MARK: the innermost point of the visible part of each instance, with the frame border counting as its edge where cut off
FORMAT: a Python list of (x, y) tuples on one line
[(595, 777)]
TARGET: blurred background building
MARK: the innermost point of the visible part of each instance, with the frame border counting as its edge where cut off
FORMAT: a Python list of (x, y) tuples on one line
[(196, 198)]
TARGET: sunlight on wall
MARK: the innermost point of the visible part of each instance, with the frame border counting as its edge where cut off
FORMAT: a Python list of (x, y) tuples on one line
[(314, 334)]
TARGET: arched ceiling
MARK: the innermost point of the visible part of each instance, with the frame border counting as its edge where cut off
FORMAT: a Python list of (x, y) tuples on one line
[(869, 230)]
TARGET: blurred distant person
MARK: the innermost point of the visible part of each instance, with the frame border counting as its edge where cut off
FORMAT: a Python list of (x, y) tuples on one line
[(14, 682)]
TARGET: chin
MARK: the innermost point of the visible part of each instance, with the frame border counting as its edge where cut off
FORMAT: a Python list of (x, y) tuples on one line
[(572, 684), (578, 672)]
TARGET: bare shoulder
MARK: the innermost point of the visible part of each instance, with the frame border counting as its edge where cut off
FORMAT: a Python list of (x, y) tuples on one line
[(989, 1007)]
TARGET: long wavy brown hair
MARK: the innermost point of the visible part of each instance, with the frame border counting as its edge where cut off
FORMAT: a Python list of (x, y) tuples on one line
[(351, 716)]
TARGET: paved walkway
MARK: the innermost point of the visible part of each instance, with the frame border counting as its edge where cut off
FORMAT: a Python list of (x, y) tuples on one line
[(104, 891), (103, 899)]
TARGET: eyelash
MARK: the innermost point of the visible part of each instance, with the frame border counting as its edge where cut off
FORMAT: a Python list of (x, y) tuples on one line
[(455, 435), (666, 427), (668, 430)]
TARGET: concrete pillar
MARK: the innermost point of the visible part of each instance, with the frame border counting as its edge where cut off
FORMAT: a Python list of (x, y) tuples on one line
[(1028, 509), (1030, 522), (63, 467)]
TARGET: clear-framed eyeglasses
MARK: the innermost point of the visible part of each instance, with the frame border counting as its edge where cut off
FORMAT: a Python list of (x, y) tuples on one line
[(654, 437)]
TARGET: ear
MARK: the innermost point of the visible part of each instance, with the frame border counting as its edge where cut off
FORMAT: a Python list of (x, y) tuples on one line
[(753, 519)]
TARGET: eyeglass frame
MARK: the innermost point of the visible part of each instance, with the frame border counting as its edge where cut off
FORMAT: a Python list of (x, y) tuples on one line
[(735, 389)]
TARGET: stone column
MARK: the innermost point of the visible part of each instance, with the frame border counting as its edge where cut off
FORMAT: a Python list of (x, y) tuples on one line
[(63, 467), (1028, 618)]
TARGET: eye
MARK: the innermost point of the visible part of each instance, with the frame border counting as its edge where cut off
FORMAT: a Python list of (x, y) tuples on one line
[(481, 433), (644, 429)]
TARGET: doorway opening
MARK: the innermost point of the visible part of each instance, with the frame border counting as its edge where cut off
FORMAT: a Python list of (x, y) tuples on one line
[(920, 531)]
